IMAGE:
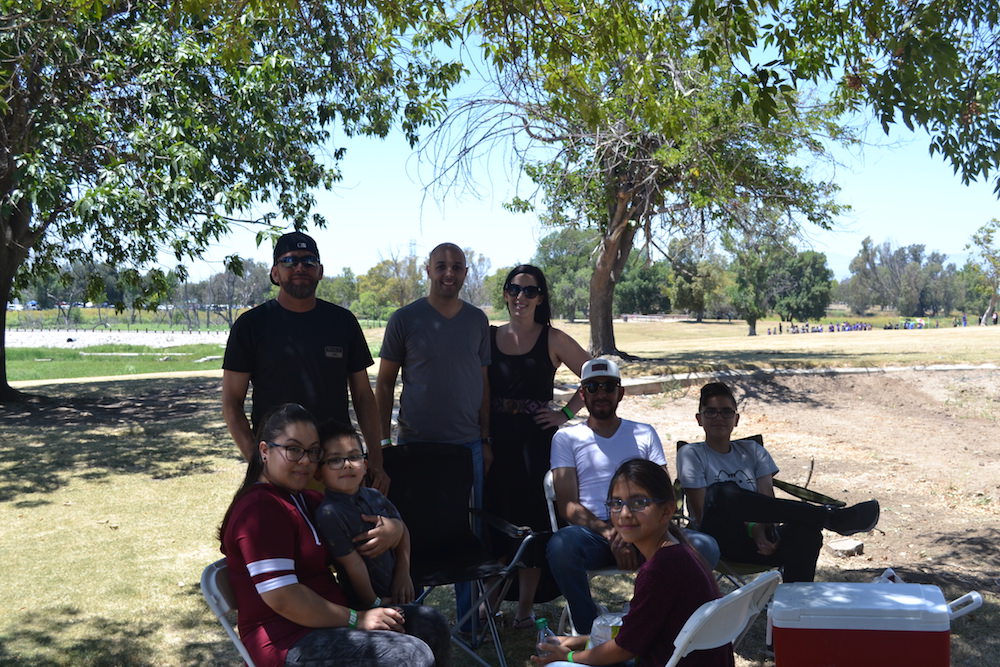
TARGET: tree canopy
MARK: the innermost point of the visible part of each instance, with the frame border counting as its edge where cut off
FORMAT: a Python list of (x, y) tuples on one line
[(623, 131), (128, 129)]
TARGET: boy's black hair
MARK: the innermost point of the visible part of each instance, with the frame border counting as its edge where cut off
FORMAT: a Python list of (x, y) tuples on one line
[(333, 428), (713, 389)]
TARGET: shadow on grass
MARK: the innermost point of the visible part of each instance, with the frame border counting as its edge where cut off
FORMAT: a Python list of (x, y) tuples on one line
[(60, 637), (707, 361), (50, 637), (156, 428)]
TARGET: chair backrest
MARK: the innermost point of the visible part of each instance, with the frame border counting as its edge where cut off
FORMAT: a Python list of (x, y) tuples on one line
[(431, 487), (219, 596), (550, 500), (721, 621)]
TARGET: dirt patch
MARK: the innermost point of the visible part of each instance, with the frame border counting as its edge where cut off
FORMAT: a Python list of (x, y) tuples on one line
[(924, 444)]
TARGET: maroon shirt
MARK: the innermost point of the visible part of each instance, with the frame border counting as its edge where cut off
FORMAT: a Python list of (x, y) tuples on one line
[(668, 589), (270, 542)]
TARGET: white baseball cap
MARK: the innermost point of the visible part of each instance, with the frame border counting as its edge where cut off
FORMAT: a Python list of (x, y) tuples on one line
[(600, 368)]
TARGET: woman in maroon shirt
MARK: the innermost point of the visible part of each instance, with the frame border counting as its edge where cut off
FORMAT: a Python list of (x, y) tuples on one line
[(672, 583), (291, 610)]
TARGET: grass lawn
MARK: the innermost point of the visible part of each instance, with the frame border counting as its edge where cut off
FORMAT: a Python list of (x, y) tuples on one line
[(110, 492)]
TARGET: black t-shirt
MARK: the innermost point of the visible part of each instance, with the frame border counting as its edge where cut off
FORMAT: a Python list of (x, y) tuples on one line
[(301, 358)]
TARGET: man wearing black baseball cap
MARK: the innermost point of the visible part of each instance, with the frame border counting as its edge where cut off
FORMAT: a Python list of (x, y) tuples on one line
[(297, 348)]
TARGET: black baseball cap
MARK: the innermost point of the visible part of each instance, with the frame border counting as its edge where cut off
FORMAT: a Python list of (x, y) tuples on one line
[(294, 241)]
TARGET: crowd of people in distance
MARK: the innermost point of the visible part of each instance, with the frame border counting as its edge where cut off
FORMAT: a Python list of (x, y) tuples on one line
[(315, 494), (805, 327)]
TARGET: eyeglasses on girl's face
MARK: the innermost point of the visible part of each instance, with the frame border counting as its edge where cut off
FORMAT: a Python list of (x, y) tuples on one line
[(636, 504), (529, 291), (294, 453)]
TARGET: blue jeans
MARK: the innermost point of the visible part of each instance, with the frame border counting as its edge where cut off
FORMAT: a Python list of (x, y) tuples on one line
[(574, 550)]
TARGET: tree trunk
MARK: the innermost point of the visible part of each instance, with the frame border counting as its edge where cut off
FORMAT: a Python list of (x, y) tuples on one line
[(752, 324), (990, 309), (7, 393), (16, 237), (612, 255)]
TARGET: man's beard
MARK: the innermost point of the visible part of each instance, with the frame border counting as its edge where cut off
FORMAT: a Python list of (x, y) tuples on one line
[(300, 290), (602, 411)]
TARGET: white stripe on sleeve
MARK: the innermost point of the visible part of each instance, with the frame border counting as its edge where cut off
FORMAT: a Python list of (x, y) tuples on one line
[(259, 567), (277, 582)]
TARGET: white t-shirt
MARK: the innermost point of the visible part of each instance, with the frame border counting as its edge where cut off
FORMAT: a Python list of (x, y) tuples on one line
[(700, 466), (596, 458)]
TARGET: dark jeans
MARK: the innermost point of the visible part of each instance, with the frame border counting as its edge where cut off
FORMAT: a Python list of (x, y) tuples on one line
[(728, 506), (425, 644)]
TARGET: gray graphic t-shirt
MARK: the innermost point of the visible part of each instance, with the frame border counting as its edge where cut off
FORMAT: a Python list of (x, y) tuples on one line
[(699, 466)]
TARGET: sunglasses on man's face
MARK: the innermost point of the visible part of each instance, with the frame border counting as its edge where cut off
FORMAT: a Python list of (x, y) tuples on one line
[(307, 262), (607, 386), (530, 291)]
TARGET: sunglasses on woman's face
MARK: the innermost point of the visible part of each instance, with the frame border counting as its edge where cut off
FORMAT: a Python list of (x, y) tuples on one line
[(530, 291)]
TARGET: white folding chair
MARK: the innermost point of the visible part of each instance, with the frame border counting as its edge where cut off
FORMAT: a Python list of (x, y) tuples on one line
[(725, 620), (219, 596), (565, 626)]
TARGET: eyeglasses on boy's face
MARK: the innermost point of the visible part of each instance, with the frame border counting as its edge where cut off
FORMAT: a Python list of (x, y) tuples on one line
[(529, 291), (338, 462), (637, 504), (607, 386), (294, 453), (291, 261), (714, 413)]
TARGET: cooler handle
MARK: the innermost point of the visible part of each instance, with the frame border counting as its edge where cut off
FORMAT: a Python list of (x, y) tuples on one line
[(971, 600)]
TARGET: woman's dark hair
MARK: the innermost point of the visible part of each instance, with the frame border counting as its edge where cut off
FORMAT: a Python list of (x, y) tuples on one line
[(273, 425), (543, 311), (713, 389), (654, 479)]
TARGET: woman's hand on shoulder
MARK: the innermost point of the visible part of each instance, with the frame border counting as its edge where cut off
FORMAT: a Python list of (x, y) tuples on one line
[(381, 618), (546, 418)]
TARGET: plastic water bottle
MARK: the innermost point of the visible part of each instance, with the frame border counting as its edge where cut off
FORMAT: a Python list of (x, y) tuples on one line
[(545, 635)]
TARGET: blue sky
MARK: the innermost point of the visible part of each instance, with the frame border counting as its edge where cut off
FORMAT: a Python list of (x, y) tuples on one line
[(898, 193)]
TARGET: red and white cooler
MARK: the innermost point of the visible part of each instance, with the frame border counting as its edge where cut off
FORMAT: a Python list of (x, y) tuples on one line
[(832, 624)]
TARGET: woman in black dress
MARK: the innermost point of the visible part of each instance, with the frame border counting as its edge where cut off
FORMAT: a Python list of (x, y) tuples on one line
[(525, 355)]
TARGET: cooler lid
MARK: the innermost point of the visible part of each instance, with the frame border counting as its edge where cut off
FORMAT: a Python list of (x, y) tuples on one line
[(849, 606)]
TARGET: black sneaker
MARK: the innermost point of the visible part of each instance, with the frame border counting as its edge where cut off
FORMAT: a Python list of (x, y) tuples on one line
[(858, 518)]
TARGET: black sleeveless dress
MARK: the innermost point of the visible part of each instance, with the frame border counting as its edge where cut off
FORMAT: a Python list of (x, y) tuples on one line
[(520, 385)]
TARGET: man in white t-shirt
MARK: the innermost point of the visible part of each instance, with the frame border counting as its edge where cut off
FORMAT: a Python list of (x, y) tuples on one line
[(583, 460)]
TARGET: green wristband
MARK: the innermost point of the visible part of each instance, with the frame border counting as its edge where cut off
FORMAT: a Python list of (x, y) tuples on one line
[(569, 413), (569, 656), (750, 525), (352, 618)]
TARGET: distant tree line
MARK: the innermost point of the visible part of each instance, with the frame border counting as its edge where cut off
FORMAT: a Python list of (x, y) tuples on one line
[(747, 275)]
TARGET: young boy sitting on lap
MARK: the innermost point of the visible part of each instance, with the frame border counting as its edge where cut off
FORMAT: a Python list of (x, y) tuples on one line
[(372, 574)]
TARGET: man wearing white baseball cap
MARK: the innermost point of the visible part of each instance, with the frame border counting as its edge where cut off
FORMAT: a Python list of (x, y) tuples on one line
[(583, 459)]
